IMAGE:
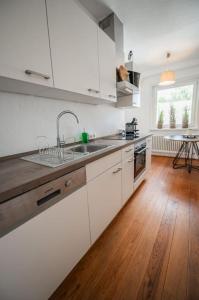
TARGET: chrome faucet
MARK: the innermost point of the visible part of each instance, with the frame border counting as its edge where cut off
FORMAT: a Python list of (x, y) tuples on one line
[(59, 142)]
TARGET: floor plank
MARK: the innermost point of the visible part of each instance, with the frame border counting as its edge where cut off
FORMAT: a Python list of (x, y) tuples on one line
[(175, 287), (150, 250), (128, 265), (193, 287), (152, 283)]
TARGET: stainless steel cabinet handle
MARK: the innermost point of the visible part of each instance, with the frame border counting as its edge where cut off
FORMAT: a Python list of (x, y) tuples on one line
[(112, 96), (94, 91), (129, 150), (31, 72), (131, 160), (116, 171), (68, 183), (142, 150)]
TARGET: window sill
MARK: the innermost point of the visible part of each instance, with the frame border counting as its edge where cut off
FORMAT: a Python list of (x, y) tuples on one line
[(174, 129)]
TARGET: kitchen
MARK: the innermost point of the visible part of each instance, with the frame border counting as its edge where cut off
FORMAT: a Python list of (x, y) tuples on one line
[(99, 150)]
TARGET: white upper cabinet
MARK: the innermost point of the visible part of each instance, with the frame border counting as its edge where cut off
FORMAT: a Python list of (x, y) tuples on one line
[(55, 44), (107, 66), (74, 48), (24, 43)]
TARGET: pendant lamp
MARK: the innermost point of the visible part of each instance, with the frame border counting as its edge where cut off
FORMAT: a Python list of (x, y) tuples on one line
[(168, 77)]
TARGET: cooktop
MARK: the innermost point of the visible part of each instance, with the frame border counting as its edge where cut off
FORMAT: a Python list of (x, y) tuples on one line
[(121, 137)]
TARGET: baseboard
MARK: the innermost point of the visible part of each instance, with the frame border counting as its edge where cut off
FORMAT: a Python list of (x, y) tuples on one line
[(164, 153), (167, 153)]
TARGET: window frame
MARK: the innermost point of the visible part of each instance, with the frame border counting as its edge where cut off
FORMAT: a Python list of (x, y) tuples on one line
[(194, 112)]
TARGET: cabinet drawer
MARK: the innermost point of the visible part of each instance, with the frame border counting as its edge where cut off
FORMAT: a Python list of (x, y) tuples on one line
[(101, 165), (127, 152)]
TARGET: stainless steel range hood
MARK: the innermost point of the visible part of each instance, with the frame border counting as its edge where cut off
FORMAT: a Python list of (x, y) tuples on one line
[(114, 29), (125, 88)]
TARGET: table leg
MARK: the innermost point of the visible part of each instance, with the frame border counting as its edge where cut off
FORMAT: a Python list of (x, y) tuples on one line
[(190, 158), (195, 147), (178, 155), (188, 148), (182, 149)]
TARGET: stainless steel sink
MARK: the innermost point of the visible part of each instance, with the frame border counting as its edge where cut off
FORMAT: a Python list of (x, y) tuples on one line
[(89, 148), (55, 157)]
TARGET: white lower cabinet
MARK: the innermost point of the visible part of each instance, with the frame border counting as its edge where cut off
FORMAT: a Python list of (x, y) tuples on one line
[(148, 153), (36, 257), (127, 179), (104, 199)]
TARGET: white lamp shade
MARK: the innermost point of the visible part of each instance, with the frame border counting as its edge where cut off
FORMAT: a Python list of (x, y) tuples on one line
[(167, 78)]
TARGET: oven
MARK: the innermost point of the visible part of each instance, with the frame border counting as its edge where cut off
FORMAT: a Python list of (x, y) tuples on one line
[(140, 159)]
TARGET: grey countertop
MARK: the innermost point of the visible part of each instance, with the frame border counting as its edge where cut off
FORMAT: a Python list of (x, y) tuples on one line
[(19, 176)]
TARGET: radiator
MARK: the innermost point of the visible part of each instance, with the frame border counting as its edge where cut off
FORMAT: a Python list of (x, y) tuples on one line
[(164, 147)]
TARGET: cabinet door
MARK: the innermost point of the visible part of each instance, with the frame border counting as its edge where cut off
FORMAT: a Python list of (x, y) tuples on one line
[(104, 198), (73, 40), (36, 257), (127, 179), (148, 153), (107, 66), (24, 41)]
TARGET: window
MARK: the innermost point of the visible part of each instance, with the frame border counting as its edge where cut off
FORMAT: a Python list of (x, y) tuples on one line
[(175, 106)]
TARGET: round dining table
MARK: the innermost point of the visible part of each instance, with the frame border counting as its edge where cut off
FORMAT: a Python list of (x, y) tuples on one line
[(187, 152)]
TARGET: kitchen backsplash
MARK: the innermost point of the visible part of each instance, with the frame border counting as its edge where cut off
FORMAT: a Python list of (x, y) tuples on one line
[(23, 118)]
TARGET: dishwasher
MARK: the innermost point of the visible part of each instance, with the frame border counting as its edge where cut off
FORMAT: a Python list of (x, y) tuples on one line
[(18, 210), (44, 233)]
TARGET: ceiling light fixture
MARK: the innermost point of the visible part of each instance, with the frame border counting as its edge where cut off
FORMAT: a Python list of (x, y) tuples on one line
[(167, 77)]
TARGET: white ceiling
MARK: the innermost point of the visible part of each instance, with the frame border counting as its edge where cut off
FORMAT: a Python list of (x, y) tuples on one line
[(154, 27)]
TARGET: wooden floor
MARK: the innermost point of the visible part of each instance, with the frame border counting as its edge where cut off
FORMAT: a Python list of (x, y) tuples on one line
[(151, 249)]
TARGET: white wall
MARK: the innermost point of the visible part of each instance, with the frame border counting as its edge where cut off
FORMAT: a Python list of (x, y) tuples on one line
[(144, 113), (23, 118)]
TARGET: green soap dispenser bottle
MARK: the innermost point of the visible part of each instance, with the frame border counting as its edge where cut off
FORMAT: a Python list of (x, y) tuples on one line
[(84, 137)]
